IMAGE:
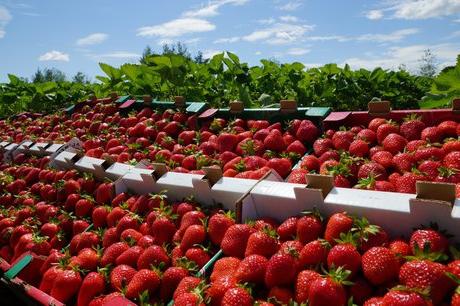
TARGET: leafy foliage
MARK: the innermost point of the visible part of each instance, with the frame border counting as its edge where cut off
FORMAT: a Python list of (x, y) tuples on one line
[(221, 79)]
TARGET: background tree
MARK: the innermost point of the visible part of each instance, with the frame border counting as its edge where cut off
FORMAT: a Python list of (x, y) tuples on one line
[(48, 75), (81, 78), (428, 64)]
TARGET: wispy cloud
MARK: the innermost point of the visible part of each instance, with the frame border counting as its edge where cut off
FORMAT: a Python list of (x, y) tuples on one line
[(297, 51), (119, 55), (211, 9), (289, 18), (227, 40), (92, 39), (54, 56), (267, 21), (374, 15), (177, 27), (5, 18), (290, 6), (418, 9), (210, 53), (395, 36)]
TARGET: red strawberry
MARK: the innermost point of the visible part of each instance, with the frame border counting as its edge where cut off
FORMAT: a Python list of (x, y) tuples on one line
[(281, 165), (218, 288), (428, 238), (430, 168), (429, 152), (162, 229), (280, 270), (359, 148), (225, 266), (153, 255), (296, 147), (344, 255), (235, 240), (394, 143), (403, 298), (406, 183), (298, 176), (311, 163), (251, 269), (66, 285), (130, 256), (338, 223), (386, 129), (92, 286), (322, 145), (314, 253), (401, 249), (431, 134), (187, 284), (112, 252), (361, 290), (237, 297), (309, 228), (367, 135), (329, 290), (383, 158), (282, 295), (303, 283), (412, 127), (197, 255), (374, 169), (169, 281), (448, 128), (143, 280), (218, 225), (380, 265), (307, 132), (375, 123), (403, 162), (288, 229), (263, 242), (452, 160), (121, 276), (342, 140), (194, 234), (274, 141)]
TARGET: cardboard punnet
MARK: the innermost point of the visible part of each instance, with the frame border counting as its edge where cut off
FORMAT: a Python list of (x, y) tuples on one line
[(8, 152), (93, 165), (72, 146), (23, 147), (117, 170), (3, 144), (177, 185), (141, 179), (54, 147), (39, 148), (65, 160)]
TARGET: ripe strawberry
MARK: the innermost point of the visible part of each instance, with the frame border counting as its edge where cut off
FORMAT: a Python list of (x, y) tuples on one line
[(451, 145), (429, 152), (344, 255), (311, 163), (296, 147), (104, 193), (288, 229), (307, 132), (121, 276), (397, 297), (428, 238), (191, 218), (403, 162), (314, 253), (281, 165), (130, 256), (251, 269), (394, 143), (448, 128), (110, 237), (430, 168), (322, 145), (66, 285), (280, 270), (406, 183), (412, 127), (99, 216), (386, 129), (263, 242), (169, 281), (225, 266), (237, 297), (143, 280), (298, 176), (413, 145), (218, 225), (338, 223), (302, 285), (87, 259), (153, 255), (328, 290), (274, 141), (359, 148), (112, 252), (360, 290), (452, 160), (380, 265), (342, 140), (186, 285), (383, 158), (374, 169), (235, 240), (375, 123), (425, 274), (431, 134), (197, 255), (309, 228), (282, 295), (84, 207), (367, 135), (92, 286)]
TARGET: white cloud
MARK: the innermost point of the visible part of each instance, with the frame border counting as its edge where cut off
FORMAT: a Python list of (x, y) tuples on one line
[(92, 39), (409, 56), (327, 38), (226, 40), (212, 8), (312, 65), (177, 27), (456, 20), (120, 55), (54, 56), (454, 35), (297, 51), (267, 21), (279, 33), (391, 37), (5, 18), (258, 53), (374, 14), (289, 18), (210, 53), (421, 9), (290, 6)]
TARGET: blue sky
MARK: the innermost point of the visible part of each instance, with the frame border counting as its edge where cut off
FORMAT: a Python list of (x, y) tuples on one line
[(75, 35)]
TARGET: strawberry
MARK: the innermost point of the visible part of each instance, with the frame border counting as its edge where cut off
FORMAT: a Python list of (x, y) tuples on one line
[(412, 127), (428, 238), (274, 141), (104, 193), (338, 223), (344, 255), (311, 163), (342, 140), (186, 285), (431, 134), (162, 229), (87, 259), (99, 216), (235, 240), (298, 176), (263, 242), (296, 147), (112, 252), (191, 218), (375, 123), (281, 165), (359, 148), (237, 297), (398, 297), (380, 265), (66, 285), (448, 128), (452, 160), (282, 295), (194, 234), (49, 277), (302, 285), (198, 255), (451, 145), (374, 169), (394, 143), (251, 269), (386, 129), (143, 280), (153, 255), (92, 286), (130, 256), (309, 228), (225, 266), (169, 281), (121, 276), (367, 135), (288, 229), (307, 132), (314, 253), (406, 183), (322, 145), (430, 168), (218, 225), (360, 290), (329, 290), (84, 207), (280, 270), (403, 162), (413, 145), (401, 249), (110, 237), (429, 152)]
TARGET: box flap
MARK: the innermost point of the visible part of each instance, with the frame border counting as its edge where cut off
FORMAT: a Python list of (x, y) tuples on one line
[(213, 174), (378, 108), (456, 105), (436, 191), (325, 183), (179, 101), (236, 106), (160, 169), (209, 113), (127, 104), (288, 106)]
